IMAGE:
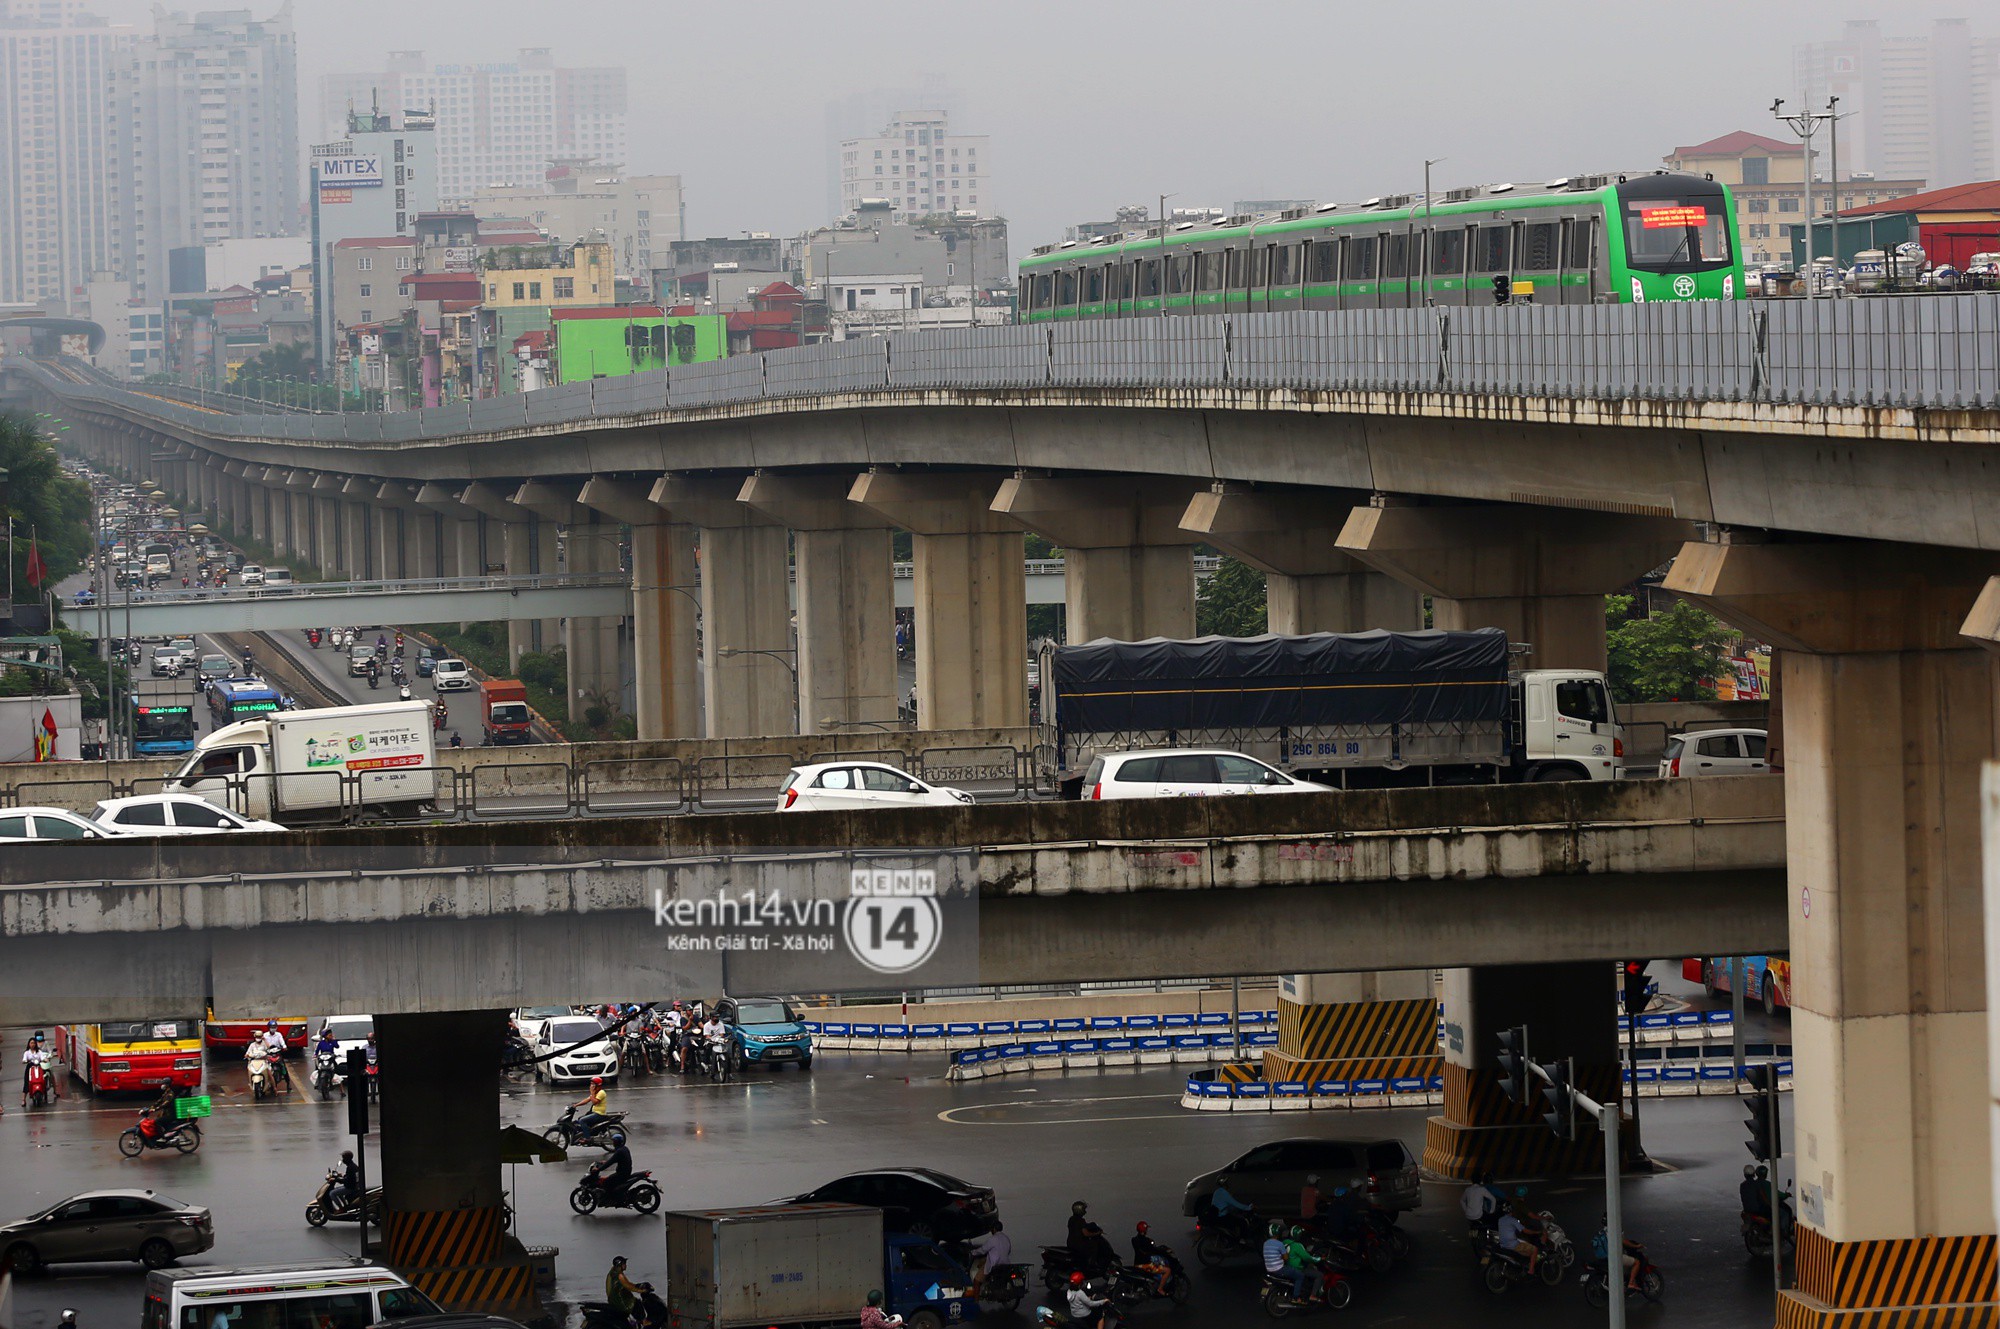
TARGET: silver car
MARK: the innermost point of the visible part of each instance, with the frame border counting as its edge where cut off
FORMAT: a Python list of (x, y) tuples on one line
[(107, 1225)]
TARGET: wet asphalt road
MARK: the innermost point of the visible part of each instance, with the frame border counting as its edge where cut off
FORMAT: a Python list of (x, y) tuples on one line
[(1118, 1140)]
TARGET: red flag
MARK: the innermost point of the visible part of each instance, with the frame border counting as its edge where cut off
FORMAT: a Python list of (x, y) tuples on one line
[(37, 569), (45, 737)]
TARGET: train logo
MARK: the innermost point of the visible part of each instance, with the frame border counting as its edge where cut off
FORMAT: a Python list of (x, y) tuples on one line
[(1684, 287)]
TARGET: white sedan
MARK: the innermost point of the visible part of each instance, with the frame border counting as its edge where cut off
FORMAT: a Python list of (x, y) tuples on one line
[(173, 814), (47, 824), (861, 784)]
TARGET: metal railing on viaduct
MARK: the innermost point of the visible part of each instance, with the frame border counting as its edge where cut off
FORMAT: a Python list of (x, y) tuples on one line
[(1921, 353)]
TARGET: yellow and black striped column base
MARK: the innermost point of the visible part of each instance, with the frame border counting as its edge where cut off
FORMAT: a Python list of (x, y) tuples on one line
[(440, 1238), (1457, 1152), (1357, 1030), (1909, 1283), (463, 1260), (1284, 1066)]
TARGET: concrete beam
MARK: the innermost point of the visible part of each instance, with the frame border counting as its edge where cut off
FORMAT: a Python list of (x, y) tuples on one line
[(489, 501), (1129, 571), (551, 502), (623, 500), (1310, 584)]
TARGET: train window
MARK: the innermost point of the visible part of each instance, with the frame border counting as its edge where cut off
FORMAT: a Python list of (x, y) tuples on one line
[(1239, 270), (1120, 285), (1260, 268), (1093, 285), (1180, 274), (1448, 252), (1360, 258), (1396, 255), (1582, 247), (1493, 248), (1044, 286), (1208, 270), (1066, 287), (1538, 248), (1285, 265), (1320, 265), (1149, 278), (1026, 297)]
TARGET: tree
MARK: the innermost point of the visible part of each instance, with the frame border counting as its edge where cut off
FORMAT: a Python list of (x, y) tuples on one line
[(45, 503), (1672, 656), (1230, 602)]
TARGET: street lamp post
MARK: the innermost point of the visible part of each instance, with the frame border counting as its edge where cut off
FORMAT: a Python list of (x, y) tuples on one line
[(1805, 124)]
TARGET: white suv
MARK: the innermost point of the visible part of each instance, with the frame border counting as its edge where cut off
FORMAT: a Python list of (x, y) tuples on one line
[(1187, 773), (451, 674)]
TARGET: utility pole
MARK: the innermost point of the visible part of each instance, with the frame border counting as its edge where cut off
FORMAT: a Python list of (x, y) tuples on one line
[(1426, 242), (1805, 124)]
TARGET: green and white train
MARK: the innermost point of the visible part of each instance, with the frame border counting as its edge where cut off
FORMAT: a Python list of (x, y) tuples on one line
[(1585, 240)]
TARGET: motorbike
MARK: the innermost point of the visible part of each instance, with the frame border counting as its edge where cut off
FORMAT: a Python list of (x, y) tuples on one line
[(1143, 1284), (326, 1073), (640, 1192), (1005, 1285), (1382, 1222), (650, 1314), (1503, 1267), (1555, 1241), (718, 1060), (1334, 1292), (39, 1088), (1112, 1315), (263, 1083), (516, 1059), (1059, 1262), (569, 1134), (1652, 1284), (1757, 1229), (374, 679), (313, 637), (149, 1134), (1217, 1239), (324, 1207)]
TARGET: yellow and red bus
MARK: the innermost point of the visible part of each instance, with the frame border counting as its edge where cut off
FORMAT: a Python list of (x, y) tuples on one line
[(133, 1054), (227, 1035)]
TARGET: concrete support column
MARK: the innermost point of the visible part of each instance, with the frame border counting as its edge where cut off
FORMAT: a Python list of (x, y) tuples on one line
[(1568, 1010), (400, 524), (590, 645), (442, 1196), (513, 549), (256, 501), (331, 519), (1128, 567), (746, 633), (423, 551), (517, 544), (666, 687), (302, 542), (845, 594), (1539, 573), (971, 595), (208, 490), (1889, 713), (1310, 585), (354, 527), (1361, 1026)]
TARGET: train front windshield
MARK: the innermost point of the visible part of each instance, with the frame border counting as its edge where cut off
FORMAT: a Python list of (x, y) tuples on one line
[(1687, 231)]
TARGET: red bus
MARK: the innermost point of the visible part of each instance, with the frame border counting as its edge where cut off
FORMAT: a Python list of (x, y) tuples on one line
[(133, 1054), (225, 1035)]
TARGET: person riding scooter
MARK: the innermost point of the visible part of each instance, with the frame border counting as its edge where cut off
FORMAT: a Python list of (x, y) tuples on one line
[(348, 1193)]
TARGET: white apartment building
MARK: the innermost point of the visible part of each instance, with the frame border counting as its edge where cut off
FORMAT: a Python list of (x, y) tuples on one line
[(1923, 106), (205, 138), (639, 216), (496, 123), (56, 216), (919, 166)]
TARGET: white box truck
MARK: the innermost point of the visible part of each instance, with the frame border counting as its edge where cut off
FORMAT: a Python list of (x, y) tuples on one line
[(338, 763), (804, 1266)]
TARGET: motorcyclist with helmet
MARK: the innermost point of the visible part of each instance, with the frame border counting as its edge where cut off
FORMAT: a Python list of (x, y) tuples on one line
[(594, 1104), (619, 1161), (1301, 1263), (1087, 1244), (1151, 1256), (1085, 1310), (347, 1191), (1754, 1192)]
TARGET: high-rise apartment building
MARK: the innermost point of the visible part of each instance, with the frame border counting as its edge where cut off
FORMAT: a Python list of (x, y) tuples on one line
[(1923, 106), (919, 167), (56, 189), (497, 124), (204, 138)]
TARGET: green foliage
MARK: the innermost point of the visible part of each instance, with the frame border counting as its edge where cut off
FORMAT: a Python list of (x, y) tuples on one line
[(1230, 603), (1666, 657), (51, 506)]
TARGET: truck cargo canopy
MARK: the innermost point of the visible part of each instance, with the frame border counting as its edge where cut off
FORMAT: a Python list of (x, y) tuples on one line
[(1362, 678)]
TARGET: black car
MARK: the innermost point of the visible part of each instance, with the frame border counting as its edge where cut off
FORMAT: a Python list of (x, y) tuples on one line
[(916, 1200)]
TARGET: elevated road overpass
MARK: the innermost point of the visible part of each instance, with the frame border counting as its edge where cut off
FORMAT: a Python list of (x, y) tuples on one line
[(414, 919)]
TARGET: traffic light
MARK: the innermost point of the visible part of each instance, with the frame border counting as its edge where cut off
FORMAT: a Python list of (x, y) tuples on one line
[(357, 1092), (1503, 288), (1766, 1143), (1635, 987), (1514, 1064), (1561, 1100)]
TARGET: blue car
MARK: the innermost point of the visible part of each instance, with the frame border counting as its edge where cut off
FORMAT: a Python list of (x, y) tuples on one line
[(767, 1032)]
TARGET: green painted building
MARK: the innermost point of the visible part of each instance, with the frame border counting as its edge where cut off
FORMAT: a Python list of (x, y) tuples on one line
[(611, 342)]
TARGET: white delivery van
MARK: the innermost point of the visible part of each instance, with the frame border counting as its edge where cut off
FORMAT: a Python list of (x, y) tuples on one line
[(342, 1295)]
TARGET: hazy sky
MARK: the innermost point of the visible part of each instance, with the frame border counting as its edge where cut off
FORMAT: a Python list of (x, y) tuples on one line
[(1091, 105)]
